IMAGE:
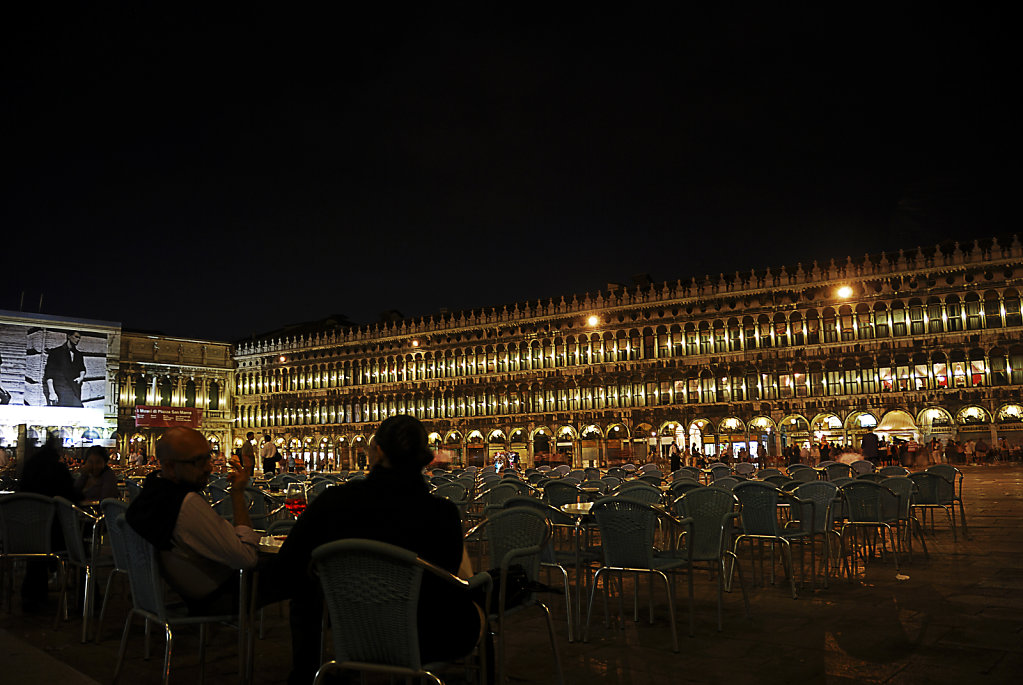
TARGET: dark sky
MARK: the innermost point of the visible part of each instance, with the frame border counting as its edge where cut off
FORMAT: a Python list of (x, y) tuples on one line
[(218, 176)]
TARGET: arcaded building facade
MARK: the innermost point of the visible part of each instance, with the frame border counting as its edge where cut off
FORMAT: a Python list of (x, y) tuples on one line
[(163, 371), (925, 342)]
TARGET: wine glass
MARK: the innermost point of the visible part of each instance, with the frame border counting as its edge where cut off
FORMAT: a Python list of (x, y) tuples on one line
[(295, 498)]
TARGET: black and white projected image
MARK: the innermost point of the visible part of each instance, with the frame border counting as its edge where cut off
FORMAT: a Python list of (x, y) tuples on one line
[(52, 367)]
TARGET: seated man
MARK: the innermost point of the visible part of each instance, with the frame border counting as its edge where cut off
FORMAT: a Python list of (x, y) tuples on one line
[(199, 551)]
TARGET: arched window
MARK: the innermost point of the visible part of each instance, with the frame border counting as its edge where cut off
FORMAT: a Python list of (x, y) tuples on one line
[(999, 368), (139, 389), (734, 335), (165, 392), (954, 313), (973, 320), (916, 317), (1012, 308), (214, 395), (992, 310), (190, 393), (935, 320), (898, 314), (797, 328), (864, 322), (830, 326)]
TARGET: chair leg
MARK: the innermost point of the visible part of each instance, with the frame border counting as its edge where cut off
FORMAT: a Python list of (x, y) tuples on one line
[(203, 634), (87, 600), (589, 610), (962, 519), (787, 550), (554, 642), (167, 654), (671, 611), (124, 646), (103, 606), (742, 583)]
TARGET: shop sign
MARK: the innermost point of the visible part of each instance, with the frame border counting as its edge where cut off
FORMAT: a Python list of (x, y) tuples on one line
[(167, 417)]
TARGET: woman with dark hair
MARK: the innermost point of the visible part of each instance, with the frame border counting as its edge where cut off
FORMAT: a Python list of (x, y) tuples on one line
[(393, 505), (96, 480), (44, 474)]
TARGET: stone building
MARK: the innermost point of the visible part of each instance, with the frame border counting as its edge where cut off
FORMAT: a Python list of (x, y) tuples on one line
[(158, 371), (925, 343)]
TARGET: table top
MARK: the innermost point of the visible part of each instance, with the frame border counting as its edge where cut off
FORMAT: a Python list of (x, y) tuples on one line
[(577, 508), (271, 544)]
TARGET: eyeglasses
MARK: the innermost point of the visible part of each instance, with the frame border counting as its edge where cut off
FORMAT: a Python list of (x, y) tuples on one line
[(196, 461)]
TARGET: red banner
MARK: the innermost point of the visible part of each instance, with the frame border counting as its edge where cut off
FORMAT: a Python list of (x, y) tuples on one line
[(167, 417)]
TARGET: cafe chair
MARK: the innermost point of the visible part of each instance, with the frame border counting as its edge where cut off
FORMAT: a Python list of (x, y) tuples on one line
[(905, 489), (869, 508), (112, 508), (952, 493), (518, 535), (933, 492), (76, 524), (713, 512), (149, 602), (374, 626), (627, 528), (835, 470), (817, 515), (552, 557), (26, 522), (861, 467), (759, 518)]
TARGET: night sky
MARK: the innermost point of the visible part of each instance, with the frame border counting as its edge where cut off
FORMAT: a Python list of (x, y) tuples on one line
[(222, 176)]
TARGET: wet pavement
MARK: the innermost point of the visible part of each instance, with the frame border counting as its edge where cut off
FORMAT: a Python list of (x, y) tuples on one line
[(957, 618)]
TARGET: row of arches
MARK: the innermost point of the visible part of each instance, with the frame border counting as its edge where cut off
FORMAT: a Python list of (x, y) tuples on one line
[(614, 441), (169, 391)]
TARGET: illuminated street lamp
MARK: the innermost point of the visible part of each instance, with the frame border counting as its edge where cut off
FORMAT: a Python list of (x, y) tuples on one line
[(845, 292), (593, 320)]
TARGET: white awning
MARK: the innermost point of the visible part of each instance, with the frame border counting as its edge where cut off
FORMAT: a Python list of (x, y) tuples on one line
[(896, 420)]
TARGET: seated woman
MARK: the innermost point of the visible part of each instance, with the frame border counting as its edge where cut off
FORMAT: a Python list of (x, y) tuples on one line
[(96, 481), (392, 504)]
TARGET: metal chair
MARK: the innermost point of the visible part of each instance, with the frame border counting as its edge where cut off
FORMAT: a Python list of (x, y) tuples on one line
[(639, 491), (759, 518), (112, 508), (75, 523), (744, 469), (558, 493), (905, 489), (862, 466), (26, 522), (713, 512), (838, 470), (720, 471), (681, 487), (954, 494), (933, 492), (148, 601), (517, 535), (552, 557), (818, 519), (375, 625), (627, 530), (870, 507)]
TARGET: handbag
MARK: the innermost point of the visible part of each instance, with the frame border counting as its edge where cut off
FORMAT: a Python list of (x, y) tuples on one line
[(519, 587)]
